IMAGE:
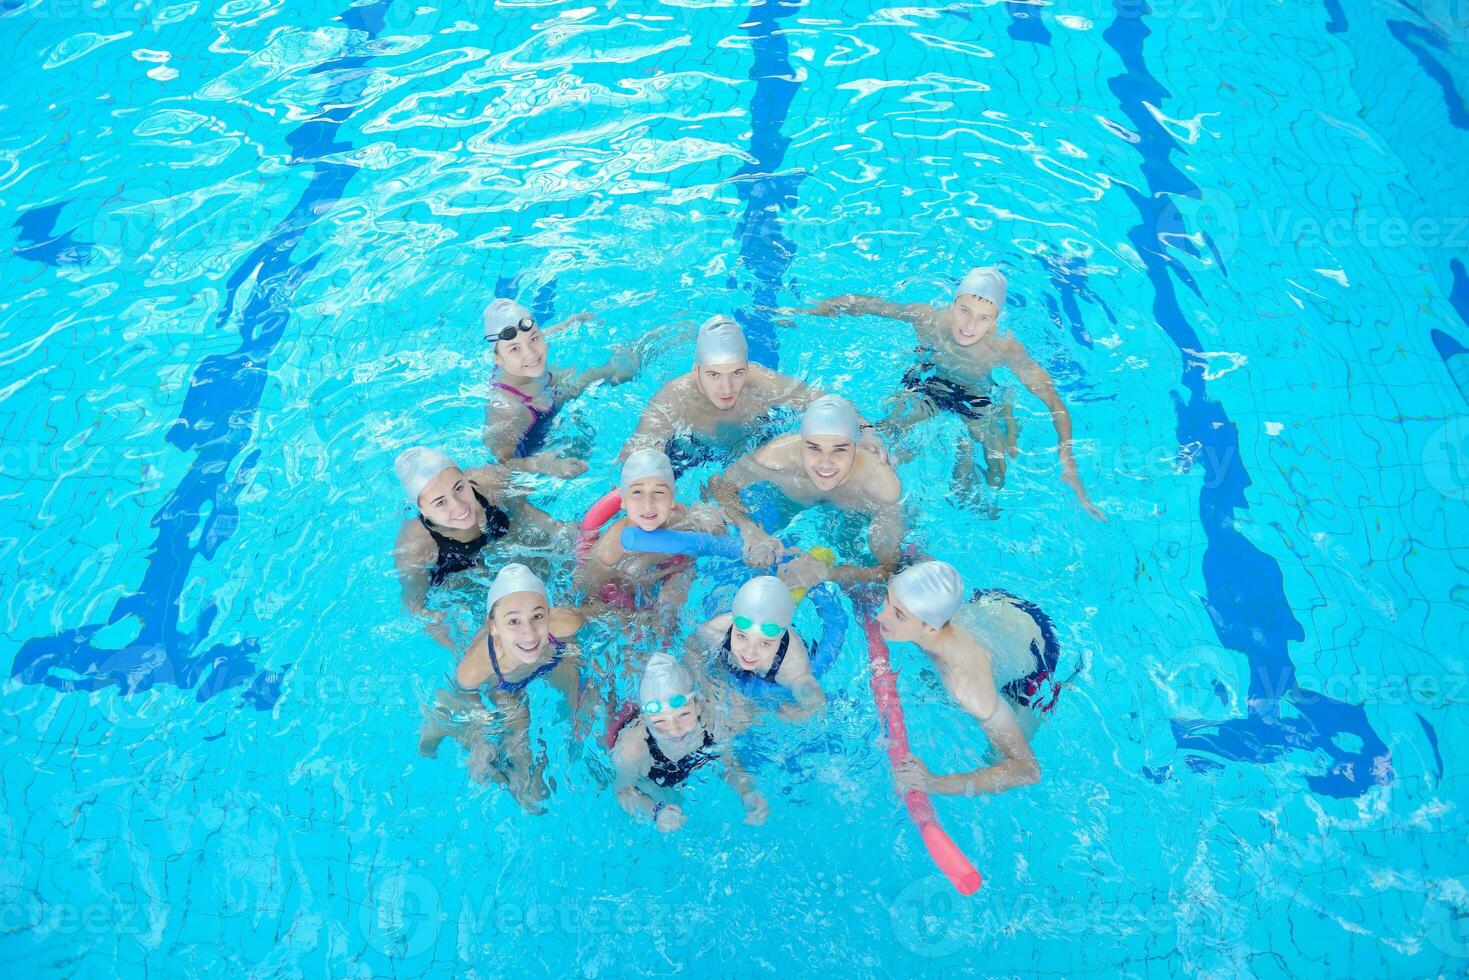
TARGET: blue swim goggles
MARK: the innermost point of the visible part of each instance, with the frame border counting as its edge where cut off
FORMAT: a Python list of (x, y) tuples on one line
[(674, 703), (745, 623)]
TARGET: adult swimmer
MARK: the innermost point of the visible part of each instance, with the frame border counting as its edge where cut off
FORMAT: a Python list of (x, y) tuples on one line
[(524, 639), (822, 463), (962, 348), (923, 602), (618, 582), (461, 513), (754, 646), (524, 394), (674, 734), (724, 403)]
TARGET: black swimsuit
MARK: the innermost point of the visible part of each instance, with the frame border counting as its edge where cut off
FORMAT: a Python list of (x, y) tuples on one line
[(456, 556), (948, 394), (1030, 691), (667, 772)]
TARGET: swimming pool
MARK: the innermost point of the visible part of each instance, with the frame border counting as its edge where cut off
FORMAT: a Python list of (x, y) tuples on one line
[(249, 246)]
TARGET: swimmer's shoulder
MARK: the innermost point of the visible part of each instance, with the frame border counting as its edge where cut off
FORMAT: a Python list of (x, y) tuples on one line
[(415, 546), (609, 545), (474, 668), (631, 747), (881, 481), (565, 622), (779, 453), (713, 631)]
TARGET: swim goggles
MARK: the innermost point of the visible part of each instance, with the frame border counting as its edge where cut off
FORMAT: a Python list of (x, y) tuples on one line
[(526, 325), (745, 623), (675, 702)]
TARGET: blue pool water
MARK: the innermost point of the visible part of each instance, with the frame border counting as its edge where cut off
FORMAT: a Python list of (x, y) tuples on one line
[(248, 246)]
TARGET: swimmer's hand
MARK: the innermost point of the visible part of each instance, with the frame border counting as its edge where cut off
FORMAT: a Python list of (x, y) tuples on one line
[(911, 774), (756, 809), (1073, 479), (563, 468), (670, 818), (761, 550), (804, 572)]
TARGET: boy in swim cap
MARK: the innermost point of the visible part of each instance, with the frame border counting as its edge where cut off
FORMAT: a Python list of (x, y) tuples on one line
[(673, 735), (723, 402), (460, 514), (963, 348), (614, 579), (922, 601), (524, 639), (822, 463), (524, 395), (754, 645)]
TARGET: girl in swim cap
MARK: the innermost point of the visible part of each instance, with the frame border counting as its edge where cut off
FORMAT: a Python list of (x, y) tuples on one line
[(674, 734), (756, 649), (524, 639), (459, 515), (524, 394)]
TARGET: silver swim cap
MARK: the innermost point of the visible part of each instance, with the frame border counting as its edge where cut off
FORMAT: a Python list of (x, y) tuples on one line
[(830, 415), (765, 600), (502, 313), (417, 466), (932, 591), (514, 578), (986, 282), (721, 341), (663, 678), (642, 465)]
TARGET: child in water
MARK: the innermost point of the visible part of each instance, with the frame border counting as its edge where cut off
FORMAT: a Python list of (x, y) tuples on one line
[(524, 639), (674, 735), (619, 582), (755, 649), (963, 347), (922, 602), (524, 394)]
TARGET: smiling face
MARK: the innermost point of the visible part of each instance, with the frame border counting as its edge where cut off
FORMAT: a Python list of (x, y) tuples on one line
[(520, 626), (524, 355), (675, 722), (973, 319), (828, 460), (722, 383), (648, 503), (896, 622), (448, 500), (752, 650)]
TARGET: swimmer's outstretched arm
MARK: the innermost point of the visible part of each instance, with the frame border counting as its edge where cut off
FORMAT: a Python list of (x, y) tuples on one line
[(756, 809), (412, 556), (761, 550), (923, 316), (1038, 381), (1018, 768), (658, 424), (810, 698)]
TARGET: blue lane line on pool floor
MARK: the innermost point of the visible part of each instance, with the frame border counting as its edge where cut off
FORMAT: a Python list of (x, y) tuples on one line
[(216, 423), (764, 249), (1455, 356), (1418, 40), (1245, 588)]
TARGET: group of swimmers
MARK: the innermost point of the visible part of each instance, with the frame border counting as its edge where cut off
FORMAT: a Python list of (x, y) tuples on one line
[(666, 715)]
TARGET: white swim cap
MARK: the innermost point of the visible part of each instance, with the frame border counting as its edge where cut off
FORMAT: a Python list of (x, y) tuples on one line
[(417, 466), (514, 577), (986, 282), (932, 591), (721, 341), (830, 415), (643, 464), (502, 313), (663, 678), (765, 600)]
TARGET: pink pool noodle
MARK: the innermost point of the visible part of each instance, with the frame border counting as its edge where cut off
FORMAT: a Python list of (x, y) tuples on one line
[(945, 853)]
